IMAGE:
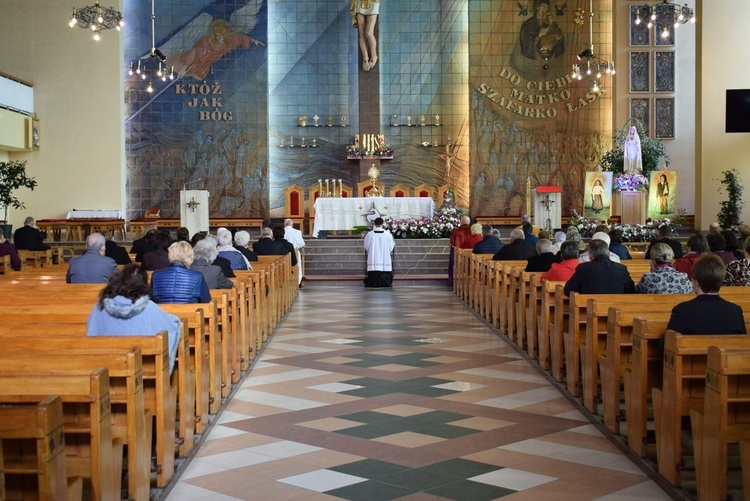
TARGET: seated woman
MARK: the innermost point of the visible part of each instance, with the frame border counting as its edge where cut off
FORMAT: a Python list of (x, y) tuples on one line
[(615, 245), (205, 253), (226, 250), (663, 278), (738, 272), (158, 258), (176, 283), (125, 309), (707, 312)]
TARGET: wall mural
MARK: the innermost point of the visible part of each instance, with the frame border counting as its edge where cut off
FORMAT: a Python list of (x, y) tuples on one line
[(207, 127), (529, 119)]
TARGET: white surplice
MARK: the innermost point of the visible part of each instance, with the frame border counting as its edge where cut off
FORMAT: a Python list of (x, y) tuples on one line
[(294, 237), (379, 244)]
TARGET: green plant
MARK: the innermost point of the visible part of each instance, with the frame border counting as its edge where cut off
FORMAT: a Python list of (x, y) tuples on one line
[(652, 151), (13, 176), (729, 215)]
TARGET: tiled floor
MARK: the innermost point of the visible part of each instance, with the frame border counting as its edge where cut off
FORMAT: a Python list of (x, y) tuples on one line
[(401, 394)]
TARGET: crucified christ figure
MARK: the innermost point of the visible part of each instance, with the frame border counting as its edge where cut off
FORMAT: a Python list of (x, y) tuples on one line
[(365, 16)]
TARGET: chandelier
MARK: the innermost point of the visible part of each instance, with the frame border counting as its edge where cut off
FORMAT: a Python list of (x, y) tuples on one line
[(589, 64), (663, 15), (97, 18), (153, 67)]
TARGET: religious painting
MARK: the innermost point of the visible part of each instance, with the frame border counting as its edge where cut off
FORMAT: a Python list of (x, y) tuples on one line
[(639, 33), (640, 109), (662, 194), (597, 200), (664, 13), (640, 71), (664, 117), (664, 80)]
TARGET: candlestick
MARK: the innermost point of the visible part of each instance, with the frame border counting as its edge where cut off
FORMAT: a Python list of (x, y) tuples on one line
[(328, 189), (320, 187), (341, 188)]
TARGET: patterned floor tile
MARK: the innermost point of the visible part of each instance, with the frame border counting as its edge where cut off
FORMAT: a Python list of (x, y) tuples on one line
[(400, 395)]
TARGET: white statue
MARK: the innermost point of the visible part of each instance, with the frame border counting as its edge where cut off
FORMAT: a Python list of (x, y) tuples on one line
[(633, 163)]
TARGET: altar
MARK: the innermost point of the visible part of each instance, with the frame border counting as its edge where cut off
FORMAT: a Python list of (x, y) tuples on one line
[(346, 213)]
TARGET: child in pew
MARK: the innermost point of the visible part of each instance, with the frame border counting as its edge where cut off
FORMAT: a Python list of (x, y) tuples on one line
[(707, 313), (125, 308)]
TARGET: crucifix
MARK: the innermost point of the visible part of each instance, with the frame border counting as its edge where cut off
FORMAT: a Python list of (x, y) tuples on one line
[(547, 203), (192, 204)]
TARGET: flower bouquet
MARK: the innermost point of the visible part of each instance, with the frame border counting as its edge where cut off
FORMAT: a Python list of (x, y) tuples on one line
[(630, 182)]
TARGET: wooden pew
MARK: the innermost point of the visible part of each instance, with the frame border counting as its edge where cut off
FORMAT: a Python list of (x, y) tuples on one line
[(683, 390), (87, 422), (37, 429), (725, 419), (619, 358), (546, 321), (645, 373), (130, 418), (158, 391)]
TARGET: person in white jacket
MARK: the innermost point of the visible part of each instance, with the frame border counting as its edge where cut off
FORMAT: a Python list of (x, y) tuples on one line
[(294, 237)]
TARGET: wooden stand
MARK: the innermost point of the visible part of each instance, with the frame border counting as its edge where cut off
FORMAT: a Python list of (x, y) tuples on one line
[(631, 206)]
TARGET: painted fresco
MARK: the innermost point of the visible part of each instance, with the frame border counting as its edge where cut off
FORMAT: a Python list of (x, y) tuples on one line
[(206, 129), (529, 119)]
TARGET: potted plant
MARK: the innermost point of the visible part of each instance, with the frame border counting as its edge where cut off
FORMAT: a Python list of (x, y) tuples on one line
[(13, 176), (729, 215)]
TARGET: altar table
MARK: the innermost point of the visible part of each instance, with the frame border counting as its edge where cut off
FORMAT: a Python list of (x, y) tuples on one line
[(346, 213), (96, 214)]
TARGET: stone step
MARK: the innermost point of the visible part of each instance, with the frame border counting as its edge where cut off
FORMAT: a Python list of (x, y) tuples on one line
[(339, 257)]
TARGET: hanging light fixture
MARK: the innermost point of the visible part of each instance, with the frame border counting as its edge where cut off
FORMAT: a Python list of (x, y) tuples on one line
[(97, 18), (664, 15), (147, 69), (588, 63)]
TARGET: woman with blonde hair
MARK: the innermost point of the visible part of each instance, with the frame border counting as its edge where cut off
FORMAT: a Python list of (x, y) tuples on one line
[(177, 283)]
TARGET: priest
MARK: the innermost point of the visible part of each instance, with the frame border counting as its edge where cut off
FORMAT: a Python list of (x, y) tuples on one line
[(379, 246)]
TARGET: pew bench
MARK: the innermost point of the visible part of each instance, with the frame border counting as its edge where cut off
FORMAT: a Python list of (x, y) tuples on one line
[(35, 431)]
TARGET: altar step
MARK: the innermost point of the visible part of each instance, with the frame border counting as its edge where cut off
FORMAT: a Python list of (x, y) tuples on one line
[(345, 259)]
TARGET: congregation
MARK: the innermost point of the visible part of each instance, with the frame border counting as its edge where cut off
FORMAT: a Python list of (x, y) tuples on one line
[(711, 261)]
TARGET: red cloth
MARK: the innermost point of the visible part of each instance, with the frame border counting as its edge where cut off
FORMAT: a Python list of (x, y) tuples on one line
[(685, 264), (460, 234), (471, 241), (561, 271)]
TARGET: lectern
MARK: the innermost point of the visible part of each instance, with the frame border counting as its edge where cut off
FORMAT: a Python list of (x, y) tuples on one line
[(547, 208), (194, 210)]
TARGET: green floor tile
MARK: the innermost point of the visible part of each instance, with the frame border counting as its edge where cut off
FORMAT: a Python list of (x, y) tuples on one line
[(430, 392), (417, 479), (466, 490), (371, 490), (370, 469), (461, 468), (441, 417), (447, 431), (367, 417)]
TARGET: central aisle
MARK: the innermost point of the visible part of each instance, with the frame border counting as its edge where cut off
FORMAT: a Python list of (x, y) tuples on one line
[(403, 393)]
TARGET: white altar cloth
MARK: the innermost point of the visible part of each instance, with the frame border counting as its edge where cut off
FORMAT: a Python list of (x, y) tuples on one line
[(346, 213), (96, 214)]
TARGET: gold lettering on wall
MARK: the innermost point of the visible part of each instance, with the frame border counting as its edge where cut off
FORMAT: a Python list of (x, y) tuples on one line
[(535, 99)]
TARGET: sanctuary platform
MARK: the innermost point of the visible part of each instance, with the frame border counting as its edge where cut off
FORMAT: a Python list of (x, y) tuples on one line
[(342, 258)]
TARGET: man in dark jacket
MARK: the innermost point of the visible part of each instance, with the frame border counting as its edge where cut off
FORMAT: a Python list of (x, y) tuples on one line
[(600, 275), (517, 249), (278, 236), (93, 267), (267, 246), (664, 233), (489, 244), (142, 245), (547, 256), (27, 237), (119, 254)]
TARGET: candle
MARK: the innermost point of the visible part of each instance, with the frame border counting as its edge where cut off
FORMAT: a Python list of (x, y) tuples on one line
[(341, 187), (328, 188), (320, 187)]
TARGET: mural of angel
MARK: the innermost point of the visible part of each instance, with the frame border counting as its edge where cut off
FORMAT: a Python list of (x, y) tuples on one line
[(203, 41)]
